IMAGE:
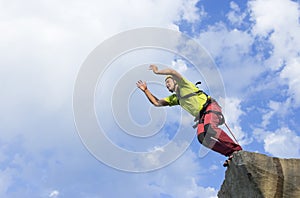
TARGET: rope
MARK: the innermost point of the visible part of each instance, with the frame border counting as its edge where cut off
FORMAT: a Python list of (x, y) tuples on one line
[(231, 133)]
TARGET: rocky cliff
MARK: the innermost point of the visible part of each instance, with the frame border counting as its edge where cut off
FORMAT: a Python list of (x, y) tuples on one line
[(256, 175)]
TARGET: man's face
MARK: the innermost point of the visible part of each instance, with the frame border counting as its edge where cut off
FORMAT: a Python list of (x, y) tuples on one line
[(170, 84)]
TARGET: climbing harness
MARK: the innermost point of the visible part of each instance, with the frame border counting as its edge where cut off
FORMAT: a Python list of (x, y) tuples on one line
[(203, 111)]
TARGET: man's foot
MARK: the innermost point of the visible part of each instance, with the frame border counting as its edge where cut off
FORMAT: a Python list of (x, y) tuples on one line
[(226, 163)]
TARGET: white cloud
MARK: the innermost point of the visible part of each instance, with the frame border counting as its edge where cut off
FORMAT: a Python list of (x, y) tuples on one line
[(44, 44), (275, 107), (283, 143), (232, 42), (291, 73), (54, 194), (273, 15), (189, 187), (179, 179), (273, 32), (231, 50), (190, 12), (169, 183), (213, 167), (6, 180), (232, 112), (273, 26), (179, 65), (259, 134), (235, 16), (278, 22)]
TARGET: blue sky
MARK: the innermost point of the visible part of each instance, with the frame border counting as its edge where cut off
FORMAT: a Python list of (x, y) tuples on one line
[(255, 47)]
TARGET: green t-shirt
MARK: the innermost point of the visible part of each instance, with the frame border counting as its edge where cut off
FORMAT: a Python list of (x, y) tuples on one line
[(192, 104)]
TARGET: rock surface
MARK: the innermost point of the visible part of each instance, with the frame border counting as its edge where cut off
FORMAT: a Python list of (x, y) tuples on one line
[(256, 175)]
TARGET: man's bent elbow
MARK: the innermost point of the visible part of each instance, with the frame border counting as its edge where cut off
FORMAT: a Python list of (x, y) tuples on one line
[(156, 103), (161, 103)]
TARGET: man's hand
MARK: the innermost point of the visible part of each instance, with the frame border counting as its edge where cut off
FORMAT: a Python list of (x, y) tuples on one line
[(167, 71), (141, 85), (154, 68)]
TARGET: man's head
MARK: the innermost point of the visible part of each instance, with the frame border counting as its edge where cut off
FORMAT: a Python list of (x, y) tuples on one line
[(170, 83)]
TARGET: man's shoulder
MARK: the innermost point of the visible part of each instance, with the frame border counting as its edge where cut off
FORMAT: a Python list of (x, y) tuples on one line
[(172, 99), (172, 96)]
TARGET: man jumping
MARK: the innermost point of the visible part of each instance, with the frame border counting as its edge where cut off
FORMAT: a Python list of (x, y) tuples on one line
[(204, 108)]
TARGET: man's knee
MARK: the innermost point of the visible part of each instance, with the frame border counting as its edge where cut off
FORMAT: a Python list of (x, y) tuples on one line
[(204, 139), (206, 133), (201, 137), (209, 129)]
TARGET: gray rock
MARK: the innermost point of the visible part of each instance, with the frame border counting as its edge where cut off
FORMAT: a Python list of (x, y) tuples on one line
[(256, 175)]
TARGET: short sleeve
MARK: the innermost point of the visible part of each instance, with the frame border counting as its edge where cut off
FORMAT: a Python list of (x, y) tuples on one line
[(172, 100)]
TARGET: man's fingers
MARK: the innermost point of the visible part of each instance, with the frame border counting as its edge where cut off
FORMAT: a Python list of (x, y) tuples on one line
[(151, 67), (140, 83)]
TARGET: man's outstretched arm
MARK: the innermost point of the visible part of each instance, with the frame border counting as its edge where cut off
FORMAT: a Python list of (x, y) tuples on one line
[(154, 100), (168, 71)]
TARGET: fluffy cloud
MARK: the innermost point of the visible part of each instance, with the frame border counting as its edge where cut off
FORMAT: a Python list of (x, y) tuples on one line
[(236, 16), (190, 13), (291, 73), (179, 65), (271, 29), (259, 46), (278, 22), (274, 108), (231, 51), (43, 46), (6, 180), (54, 194), (189, 186), (180, 179), (283, 143), (232, 113), (281, 16)]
